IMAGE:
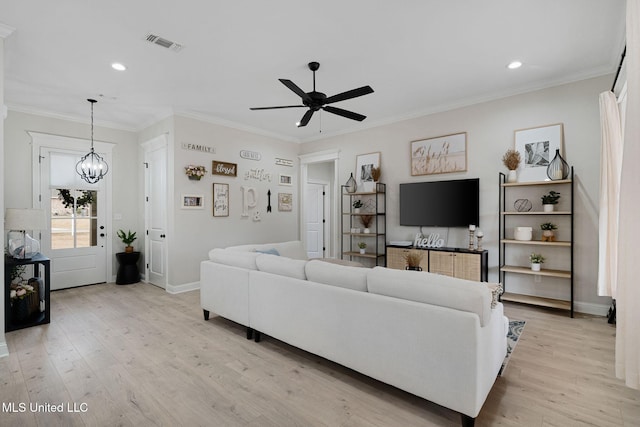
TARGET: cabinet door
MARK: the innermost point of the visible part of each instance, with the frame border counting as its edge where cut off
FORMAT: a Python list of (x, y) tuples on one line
[(395, 258), (441, 262), (467, 266)]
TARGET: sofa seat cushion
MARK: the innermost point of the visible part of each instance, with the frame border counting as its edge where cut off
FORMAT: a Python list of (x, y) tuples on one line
[(281, 265), (435, 289), (293, 249), (234, 258), (343, 276)]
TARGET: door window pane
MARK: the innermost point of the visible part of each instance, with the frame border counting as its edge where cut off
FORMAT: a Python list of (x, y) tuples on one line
[(73, 218)]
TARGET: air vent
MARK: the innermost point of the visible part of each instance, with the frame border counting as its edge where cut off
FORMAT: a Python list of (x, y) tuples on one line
[(160, 41)]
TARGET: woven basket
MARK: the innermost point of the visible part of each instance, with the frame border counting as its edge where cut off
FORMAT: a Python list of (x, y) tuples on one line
[(24, 309)]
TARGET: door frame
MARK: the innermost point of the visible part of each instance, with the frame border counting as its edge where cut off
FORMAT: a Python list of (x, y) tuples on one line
[(45, 140), (321, 157), (326, 212), (161, 141)]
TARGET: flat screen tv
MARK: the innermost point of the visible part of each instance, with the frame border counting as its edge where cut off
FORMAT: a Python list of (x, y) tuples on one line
[(453, 203)]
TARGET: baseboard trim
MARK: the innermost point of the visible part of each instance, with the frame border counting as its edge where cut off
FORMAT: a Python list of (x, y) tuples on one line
[(185, 287), (4, 349), (590, 308)]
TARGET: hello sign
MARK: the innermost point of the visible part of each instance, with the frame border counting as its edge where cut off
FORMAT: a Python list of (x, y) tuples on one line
[(433, 241)]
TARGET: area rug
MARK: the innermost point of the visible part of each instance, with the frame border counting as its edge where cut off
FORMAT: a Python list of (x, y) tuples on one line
[(515, 330)]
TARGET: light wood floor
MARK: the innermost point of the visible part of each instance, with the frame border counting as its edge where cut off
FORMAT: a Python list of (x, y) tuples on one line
[(136, 355)]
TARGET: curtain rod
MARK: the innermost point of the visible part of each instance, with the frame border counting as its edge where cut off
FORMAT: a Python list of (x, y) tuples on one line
[(624, 53)]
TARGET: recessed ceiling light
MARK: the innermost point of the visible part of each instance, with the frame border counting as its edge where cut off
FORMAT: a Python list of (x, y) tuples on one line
[(514, 64), (118, 66)]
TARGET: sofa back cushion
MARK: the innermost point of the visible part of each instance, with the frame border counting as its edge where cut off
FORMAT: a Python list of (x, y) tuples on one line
[(337, 275), (281, 265), (234, 258), (435, 289), (292, 249)]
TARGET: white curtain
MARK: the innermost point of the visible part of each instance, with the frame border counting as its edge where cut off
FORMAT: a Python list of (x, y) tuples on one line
[(610, 168), (628, 286)]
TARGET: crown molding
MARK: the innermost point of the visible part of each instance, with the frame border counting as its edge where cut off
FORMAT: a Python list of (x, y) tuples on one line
[(5, 30)]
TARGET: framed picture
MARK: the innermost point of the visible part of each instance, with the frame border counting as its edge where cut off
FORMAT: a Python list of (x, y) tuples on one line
[(364, 164), (285, 202), (537, 146), (224, 168), (442, 154), (285, 179), (192, 201), (220, 199)]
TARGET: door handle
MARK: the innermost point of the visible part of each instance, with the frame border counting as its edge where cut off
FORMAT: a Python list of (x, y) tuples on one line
[(162, 236), (101, 234)]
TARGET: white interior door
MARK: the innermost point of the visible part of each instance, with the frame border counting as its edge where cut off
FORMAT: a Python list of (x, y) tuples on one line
[(156, 211), (76, 210), (315, 221)]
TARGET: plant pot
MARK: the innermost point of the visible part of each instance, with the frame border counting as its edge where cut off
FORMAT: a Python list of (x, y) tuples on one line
[(194, 177), (362, 251), (548, 208), (548, 236), (512, 176), (128, 249), (535, 266), (523, 233), (356, 210), (367, 230)]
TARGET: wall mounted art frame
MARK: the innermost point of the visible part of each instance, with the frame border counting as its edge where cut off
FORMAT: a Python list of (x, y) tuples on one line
[(441, 154), (537, 146), (285, 179), (220, 199), (285, 202), (192, 201), (224, 168), (364, 164)]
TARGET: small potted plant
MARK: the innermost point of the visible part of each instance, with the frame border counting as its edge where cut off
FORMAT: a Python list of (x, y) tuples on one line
[(536, 261), (357, 204), (127, 238), (363, 247), (366, 222), (547, 232), (413, 259), (550, 199), (511, 160)]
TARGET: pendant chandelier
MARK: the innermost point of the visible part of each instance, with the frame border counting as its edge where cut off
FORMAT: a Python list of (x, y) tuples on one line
[(92, 167)]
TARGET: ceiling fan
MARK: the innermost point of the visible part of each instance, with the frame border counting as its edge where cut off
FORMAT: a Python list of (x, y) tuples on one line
[(318, 100)]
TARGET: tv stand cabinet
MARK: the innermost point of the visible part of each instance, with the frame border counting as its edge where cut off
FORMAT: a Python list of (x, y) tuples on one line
[(455, 262)]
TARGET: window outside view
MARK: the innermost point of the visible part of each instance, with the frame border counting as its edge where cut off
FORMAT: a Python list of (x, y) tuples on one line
[(74, 218)]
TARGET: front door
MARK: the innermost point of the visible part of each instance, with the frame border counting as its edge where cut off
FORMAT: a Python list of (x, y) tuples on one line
[(76, 239)]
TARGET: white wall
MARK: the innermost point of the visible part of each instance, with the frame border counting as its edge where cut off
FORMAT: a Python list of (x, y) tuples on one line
[(490, 132), (198, 231)]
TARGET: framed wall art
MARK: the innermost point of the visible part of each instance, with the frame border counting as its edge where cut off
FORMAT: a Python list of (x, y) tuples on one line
[(537, 146), (442, 154), (224, 168), (285, 179), (192, 201), (220, 199), (285, 202), (364, 164)]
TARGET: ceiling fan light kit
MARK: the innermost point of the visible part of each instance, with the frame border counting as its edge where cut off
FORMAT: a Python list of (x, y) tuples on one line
[(315, 100)]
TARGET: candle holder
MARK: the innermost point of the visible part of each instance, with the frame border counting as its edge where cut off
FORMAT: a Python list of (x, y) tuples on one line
[(471, 235)]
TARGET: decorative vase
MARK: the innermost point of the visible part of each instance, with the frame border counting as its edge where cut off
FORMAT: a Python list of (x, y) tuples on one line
[(367, 231), (351, 185), (368, 186), (535, 266), (548, 208), (512, 176), (523, 233), (558, 168), (409, 267)]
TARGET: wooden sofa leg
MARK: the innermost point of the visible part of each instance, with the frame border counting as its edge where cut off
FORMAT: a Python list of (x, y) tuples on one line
[(257, 336), (206, 314), (467, 421), (249, 333)]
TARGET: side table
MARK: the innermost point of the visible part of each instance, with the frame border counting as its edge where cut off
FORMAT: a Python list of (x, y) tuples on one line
[(39, 262), (128, 270)]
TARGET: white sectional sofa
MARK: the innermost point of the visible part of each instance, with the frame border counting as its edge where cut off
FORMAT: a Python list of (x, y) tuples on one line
[(440, 338)]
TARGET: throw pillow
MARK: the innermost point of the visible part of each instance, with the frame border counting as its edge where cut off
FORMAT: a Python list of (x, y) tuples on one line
[(270, 251)]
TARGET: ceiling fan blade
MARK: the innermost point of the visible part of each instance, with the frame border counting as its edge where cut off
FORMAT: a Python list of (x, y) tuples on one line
[(273, 108), (344, 113), (353, 93), (291, 85), (305, 118)]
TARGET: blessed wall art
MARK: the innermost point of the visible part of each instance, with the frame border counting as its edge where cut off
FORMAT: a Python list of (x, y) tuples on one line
[(224, 168)]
